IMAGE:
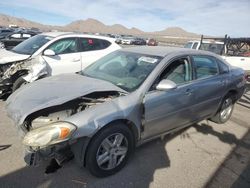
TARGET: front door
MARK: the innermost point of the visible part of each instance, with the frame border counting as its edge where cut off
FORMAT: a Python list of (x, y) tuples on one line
[(67, 58), (166, 110)]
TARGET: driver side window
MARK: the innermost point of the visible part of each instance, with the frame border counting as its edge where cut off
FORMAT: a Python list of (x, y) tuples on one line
[(179, 71), (64, 46)]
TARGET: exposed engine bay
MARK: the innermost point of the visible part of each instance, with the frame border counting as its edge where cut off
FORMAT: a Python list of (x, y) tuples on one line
[(4, 68), (29, 65), (30, 69), (61, 112)]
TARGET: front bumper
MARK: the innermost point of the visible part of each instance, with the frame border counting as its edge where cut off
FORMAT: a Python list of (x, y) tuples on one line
[(60, 152), (32, 158)]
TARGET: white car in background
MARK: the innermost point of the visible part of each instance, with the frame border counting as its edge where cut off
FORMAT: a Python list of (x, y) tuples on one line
[(49, 54), (127, 40)]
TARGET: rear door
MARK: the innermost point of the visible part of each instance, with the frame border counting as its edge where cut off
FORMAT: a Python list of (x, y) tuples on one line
[(67, 58), (209, 85), (92, 49)]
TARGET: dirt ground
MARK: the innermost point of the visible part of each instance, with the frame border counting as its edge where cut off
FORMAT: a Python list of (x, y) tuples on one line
[(203, 155)]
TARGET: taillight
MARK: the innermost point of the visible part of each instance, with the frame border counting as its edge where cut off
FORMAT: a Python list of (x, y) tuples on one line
[(247, 77)]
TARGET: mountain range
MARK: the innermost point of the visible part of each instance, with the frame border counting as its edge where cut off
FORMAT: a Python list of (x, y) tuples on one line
[(94, 26)]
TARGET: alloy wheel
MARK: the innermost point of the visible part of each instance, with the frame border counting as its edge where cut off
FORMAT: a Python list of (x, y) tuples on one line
[(112, 151)]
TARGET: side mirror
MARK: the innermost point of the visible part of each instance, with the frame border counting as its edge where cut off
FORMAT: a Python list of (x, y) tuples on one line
[(165, 85), (49, 52)]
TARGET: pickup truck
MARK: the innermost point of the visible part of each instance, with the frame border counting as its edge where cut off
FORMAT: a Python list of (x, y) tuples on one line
[(236, 51)]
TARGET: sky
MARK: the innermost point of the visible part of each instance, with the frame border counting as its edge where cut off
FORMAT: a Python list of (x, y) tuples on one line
[(210, 17)]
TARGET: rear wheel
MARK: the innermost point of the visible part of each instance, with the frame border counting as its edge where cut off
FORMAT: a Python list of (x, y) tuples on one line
[(109, 150), (225, 112)]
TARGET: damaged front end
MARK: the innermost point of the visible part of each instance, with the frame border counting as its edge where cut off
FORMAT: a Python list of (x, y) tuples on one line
[(29, 69), (5, 81), (47, 134)]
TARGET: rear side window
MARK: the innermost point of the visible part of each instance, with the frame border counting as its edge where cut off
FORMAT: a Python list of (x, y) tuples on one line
[(205, 66), (91, 44)]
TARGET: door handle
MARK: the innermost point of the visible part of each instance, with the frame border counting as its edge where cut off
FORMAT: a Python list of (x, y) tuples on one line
[(76, 60), (189, 92)]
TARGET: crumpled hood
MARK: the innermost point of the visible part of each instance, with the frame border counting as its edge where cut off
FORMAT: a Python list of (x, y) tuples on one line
[(9, 56), (52, 91)]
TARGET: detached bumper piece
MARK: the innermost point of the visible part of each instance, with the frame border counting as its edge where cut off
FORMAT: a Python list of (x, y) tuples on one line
[(61, 154), (5, 87), (31, 158)]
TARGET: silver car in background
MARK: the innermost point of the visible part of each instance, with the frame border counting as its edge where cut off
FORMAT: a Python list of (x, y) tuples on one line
[(124, 99)]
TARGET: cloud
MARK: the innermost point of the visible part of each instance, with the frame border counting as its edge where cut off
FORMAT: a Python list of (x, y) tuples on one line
[(209, 17)]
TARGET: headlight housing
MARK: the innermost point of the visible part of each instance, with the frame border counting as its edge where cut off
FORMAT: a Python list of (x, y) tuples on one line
[(49, 134)]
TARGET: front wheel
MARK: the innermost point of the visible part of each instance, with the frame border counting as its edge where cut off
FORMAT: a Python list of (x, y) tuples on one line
[(225, 112), (109, 150), (18, 83)]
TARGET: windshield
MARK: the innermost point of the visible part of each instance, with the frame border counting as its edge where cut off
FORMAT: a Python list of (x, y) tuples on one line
[(126, 70), (212, 47), (188, 45), (31, 45)]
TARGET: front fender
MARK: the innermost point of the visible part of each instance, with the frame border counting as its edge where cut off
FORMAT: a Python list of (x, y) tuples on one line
[(91, 120), (38, 68), (34, 68)]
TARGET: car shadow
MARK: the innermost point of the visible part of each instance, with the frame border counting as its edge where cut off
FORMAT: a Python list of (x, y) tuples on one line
[(4, 147), (236, 164), (234, 171), (139, 171), (225, 136)]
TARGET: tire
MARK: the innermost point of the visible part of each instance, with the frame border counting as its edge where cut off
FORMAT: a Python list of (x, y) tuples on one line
[(225, 111), (18, 83), (104, 146)]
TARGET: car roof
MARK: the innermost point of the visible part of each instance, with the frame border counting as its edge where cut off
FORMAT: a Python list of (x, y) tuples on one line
[(206, 41), (74, 34), (55, 34), (162, 50)]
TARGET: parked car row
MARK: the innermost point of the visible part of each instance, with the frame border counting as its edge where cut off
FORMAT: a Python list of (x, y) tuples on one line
[(15, 38), (131, 40), (125, 97), (10, 37)]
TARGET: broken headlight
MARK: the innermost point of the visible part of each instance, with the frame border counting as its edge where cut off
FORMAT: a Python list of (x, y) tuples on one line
[(49, 134)]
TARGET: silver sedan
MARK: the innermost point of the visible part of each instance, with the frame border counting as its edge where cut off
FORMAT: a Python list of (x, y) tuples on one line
[(124, 99)]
